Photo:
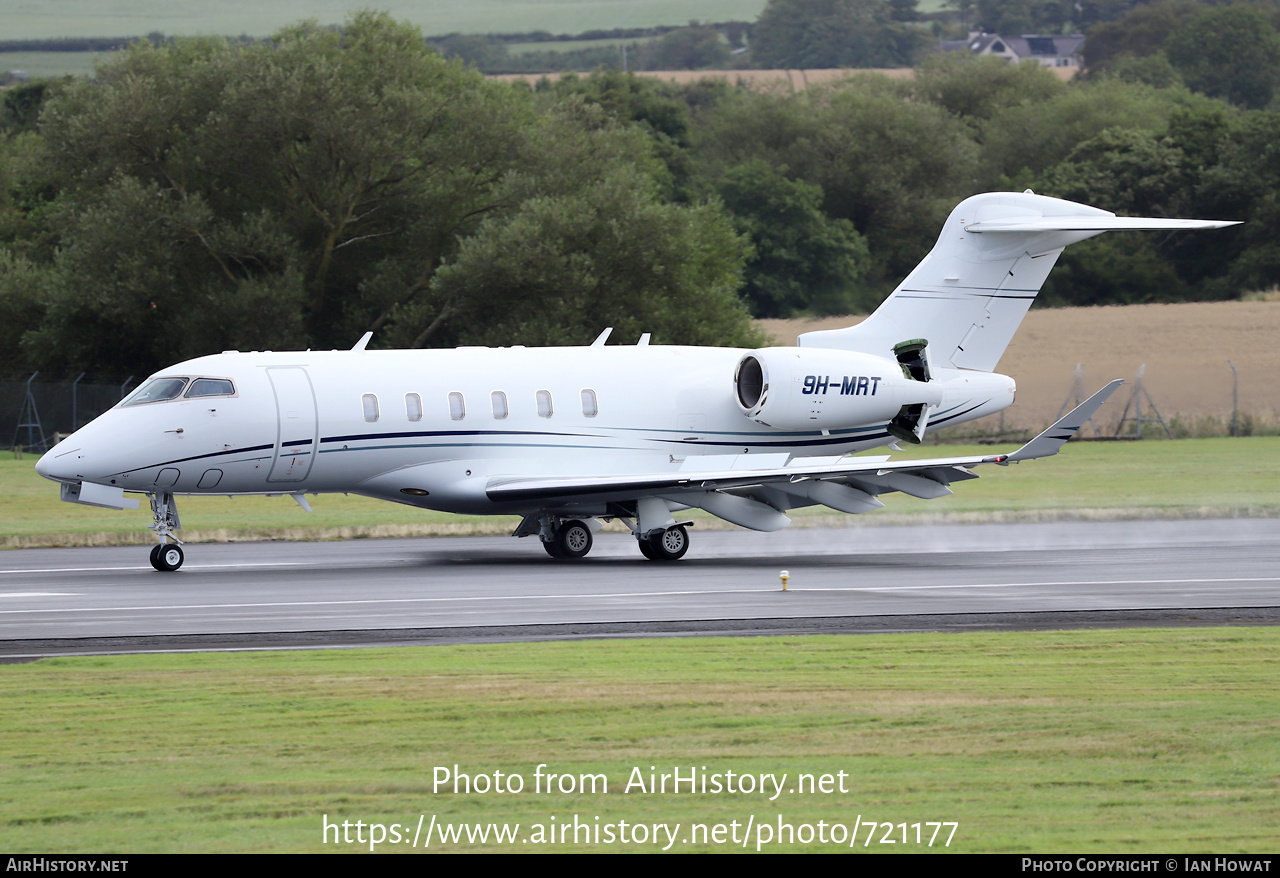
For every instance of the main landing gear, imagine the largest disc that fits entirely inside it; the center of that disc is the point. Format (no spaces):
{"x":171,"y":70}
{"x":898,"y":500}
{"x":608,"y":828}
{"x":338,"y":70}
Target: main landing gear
{"x":167,"y":556}
{"x":572,"y":539}
{"x":667,"y":545}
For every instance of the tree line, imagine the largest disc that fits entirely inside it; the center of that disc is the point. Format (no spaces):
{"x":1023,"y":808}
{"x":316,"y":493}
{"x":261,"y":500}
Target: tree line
{"x":200,"y":195}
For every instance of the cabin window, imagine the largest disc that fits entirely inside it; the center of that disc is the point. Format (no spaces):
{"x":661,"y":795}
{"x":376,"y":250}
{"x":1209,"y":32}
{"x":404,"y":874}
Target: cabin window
{"x":457,"y":406}
{"x":544,"y":403}
{"x":499,"y":400}
{"x":413,"y":406}
{"x":370,"y":403}
{"x":590,"y":406}
{"x":156,"y":390}
{"x":211,"y":387}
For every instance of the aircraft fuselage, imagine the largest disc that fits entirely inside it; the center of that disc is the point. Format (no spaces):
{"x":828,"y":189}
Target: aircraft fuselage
{"x":444,"y":422}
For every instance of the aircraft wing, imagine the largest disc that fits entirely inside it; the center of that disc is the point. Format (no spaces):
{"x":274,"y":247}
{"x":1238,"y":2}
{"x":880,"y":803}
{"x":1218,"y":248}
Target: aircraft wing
{"x":770,"y":481}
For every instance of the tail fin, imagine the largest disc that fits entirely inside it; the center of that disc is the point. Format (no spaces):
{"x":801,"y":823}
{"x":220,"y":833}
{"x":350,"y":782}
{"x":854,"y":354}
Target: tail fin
{"x":968,"y":296}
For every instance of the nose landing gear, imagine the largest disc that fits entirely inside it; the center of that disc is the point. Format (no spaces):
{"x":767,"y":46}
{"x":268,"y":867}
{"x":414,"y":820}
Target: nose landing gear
{"x":167,"y":556}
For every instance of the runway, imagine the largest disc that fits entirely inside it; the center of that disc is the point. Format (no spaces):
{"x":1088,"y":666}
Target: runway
{"x":254,"y":595}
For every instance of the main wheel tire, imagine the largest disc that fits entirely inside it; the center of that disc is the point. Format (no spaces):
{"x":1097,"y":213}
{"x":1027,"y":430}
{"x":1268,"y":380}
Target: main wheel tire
{"x":574,"y":539}
{"x":169,"y":557}
{"x":553,"y":546}
{"x":646,"y":549}
{"x":155,"y":556}
{"x":671,"y":544}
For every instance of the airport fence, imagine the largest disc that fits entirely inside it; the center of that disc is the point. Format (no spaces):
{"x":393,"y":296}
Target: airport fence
{"x":38,"y":412}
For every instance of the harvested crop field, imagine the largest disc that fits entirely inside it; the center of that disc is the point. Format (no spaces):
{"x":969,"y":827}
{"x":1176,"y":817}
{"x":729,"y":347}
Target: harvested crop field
{"x":1185,"y":348}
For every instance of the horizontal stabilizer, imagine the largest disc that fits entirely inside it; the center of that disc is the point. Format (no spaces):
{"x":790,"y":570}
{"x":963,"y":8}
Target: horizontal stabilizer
{"x":1050,"y":442}
{"x":1094,"y":224}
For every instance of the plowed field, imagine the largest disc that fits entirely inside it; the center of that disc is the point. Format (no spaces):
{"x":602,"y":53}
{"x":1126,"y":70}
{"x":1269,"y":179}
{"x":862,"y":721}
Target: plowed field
{"x":1185,"y":348}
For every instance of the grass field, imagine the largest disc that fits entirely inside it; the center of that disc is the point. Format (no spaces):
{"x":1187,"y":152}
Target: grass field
{"x":1151,"y":479}
{"x":1088,"y":741}
{"x":48,"y":65}
{"x":41,"y":19}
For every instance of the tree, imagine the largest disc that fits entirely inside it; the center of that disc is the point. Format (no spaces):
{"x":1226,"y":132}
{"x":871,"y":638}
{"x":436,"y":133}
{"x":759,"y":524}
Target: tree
{"x":803,"y":260}
{"x":199,"y":196}
{"x":486,"y":53}
{"x":307,"y":165}
{"x":690,"y":48}
{"x":890,"y":166}
{"x":833,"y":33}
{"x":21,"y":106}
{"x":1021,"y":141}
{"x":564,"y":267}
{"x":1142,"y":31}
{"x":977,"y":88}
{"x":653,"y":106}
{"x":1229,"y":52}
{"x":1125,"y":170}
{"x":1013,"y":17}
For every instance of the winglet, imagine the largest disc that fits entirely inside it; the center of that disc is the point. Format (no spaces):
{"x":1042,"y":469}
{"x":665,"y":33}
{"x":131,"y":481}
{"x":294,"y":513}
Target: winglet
{"x":1050,"y":442}
{"x":363,"y":342}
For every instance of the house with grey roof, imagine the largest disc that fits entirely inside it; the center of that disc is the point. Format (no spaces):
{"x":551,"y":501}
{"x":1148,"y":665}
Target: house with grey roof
{"x":1047,"y":51}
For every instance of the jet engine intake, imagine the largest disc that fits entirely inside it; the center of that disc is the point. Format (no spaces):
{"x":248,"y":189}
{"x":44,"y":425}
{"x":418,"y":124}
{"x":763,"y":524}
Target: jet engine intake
{"x":808,"y":388}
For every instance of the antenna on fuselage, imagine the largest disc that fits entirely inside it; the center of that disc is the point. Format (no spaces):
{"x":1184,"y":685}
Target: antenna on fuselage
{"x":602,"y":337}
{"x":363,"y":342}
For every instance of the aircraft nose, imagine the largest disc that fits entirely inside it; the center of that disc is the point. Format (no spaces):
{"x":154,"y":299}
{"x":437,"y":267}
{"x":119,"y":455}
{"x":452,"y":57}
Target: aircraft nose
{"x":58,"y":464}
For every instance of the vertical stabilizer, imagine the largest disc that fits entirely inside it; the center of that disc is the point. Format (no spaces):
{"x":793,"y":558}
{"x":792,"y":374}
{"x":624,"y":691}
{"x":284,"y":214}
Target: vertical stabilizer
{"x":968,"y":296}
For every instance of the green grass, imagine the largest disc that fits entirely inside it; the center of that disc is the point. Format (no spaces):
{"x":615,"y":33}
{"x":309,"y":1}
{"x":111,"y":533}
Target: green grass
{"x":1104,"y":741}
{"x":1156,"y":479}
{"x":110,"y":18}
{"x":49,"y":65}
{"x":1192,"y":478}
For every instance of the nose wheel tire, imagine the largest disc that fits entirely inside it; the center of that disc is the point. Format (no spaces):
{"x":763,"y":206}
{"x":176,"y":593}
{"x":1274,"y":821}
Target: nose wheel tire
{"x":670,"y":545}
{"x":167,"y":558}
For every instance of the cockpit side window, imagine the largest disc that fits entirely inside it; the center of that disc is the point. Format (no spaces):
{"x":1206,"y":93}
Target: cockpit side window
{"x":156,"y":390}
{"x":211,"y":387}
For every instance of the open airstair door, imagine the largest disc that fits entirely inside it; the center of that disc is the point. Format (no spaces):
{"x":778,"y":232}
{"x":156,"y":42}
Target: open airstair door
{"x":913,"y":356}
{"x":910,"y":422}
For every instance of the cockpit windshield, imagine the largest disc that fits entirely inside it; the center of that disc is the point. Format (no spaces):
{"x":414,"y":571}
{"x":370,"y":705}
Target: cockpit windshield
{"x":163,"y":389}
{"x":211,"y":387}
{"x":156,"y":390}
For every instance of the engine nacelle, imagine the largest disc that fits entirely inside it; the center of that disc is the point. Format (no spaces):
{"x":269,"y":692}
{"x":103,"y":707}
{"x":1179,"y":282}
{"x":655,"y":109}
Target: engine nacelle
{"x":817,"y":388}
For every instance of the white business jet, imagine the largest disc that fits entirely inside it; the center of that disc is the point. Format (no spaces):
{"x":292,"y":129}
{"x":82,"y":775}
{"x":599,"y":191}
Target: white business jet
{"x":570,"y":437}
